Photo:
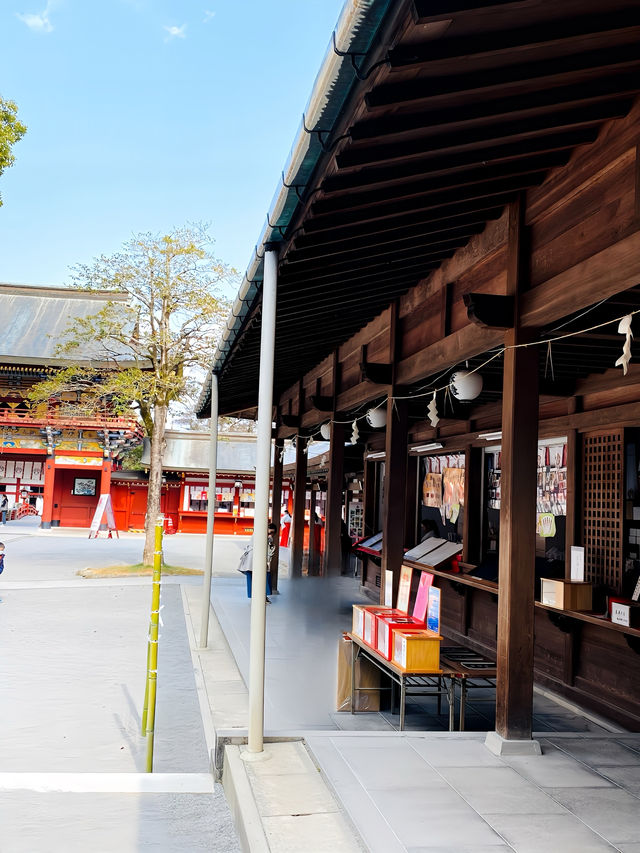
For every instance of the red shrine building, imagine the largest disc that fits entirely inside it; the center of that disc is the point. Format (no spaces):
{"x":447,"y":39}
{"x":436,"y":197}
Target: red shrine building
{"x":185,"y":485}
{"x":55,"y":458}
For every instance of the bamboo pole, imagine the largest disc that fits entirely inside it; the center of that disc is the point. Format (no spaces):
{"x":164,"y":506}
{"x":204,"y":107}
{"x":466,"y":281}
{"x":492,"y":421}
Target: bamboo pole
{"x":149,"y":710}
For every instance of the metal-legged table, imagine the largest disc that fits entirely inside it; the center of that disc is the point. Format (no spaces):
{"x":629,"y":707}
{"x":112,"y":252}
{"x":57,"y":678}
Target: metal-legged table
{"x":436,"y":682}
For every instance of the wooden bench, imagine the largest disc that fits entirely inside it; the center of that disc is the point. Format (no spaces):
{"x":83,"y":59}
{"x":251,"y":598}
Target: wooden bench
{"x":471,"y":671}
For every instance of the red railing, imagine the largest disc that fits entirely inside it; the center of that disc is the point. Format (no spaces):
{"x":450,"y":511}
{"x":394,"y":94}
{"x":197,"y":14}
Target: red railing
{"x":64,"y":420}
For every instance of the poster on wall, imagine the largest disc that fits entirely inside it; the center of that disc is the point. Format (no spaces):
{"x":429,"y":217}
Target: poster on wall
{"x":432,"y":490}
{"x":453,"y":485}
{"x":552,"y":479}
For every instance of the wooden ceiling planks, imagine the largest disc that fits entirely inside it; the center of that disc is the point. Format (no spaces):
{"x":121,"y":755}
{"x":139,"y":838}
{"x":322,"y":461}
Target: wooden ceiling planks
{"x":477,"y":101}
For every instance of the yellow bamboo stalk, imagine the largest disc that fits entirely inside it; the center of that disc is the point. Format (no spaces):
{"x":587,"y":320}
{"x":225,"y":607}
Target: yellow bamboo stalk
{"x":149,"y":710}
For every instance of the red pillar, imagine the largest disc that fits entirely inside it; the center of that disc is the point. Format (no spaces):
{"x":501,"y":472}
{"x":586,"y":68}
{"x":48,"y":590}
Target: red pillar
{"x":47,"y":497}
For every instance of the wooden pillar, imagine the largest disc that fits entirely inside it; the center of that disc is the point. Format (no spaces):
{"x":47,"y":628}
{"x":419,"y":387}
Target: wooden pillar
{"x":47,"y":497}
{"x":472,"y":511}
{"x":412,"y":502}
{"x":276,"y":503}
{"x":572,"y":536}
{"x":516,"y":569}
{"x":333,"y":516}
{"x":299,"y":499}
{"x":395,"y":483}
{"x":313,"y":557}
{"x":514,"y":696}
{"x":369,"y":498}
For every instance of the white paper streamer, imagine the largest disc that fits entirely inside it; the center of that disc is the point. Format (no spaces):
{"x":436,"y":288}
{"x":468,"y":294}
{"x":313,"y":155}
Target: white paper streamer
{"x":624,"y":328}
{"x":432,"y":411}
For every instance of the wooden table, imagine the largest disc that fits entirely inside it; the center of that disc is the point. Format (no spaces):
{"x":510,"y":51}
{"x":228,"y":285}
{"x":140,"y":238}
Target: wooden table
{"x":433,"y":682}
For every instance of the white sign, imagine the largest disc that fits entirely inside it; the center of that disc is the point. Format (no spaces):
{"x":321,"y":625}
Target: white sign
{"x":577,"y":563}
{"x":104,"y":507}
{"x":388,"y":587}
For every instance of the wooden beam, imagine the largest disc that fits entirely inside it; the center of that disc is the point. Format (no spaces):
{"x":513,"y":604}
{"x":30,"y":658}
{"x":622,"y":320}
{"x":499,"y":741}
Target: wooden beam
{"x":466,"y":343}
{"x":583,"y":284}
{"x":290,"y":421}
{"x":613,"y":29}
{"x":489,"y":310}
{"x":563,"y":70}
{"x":379,"y":374}
{"x":321,"y":402}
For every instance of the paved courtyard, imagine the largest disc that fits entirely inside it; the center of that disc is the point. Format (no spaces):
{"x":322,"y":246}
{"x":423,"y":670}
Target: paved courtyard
{"x":72,"y":677}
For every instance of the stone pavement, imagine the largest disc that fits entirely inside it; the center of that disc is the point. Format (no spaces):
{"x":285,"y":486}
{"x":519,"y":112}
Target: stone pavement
{"x":389,"y":792}
{"x":71,"y":683}
{"x":72,"y":675}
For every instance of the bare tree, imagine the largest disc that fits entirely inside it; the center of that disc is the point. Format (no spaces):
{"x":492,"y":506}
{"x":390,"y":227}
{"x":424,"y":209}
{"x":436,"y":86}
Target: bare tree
{"x":144,"y":350}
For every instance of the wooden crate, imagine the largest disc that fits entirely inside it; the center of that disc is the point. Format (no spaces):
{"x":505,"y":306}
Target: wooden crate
{"x":566,"y":595}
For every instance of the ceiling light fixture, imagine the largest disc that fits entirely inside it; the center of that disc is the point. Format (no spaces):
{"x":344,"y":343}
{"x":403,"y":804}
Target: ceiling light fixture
{"x":490,"y":436}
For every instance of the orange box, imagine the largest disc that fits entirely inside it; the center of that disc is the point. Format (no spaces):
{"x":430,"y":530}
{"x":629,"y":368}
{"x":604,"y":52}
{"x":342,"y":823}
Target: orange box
{"x":417,"y":651}
{"x":386,"y":626}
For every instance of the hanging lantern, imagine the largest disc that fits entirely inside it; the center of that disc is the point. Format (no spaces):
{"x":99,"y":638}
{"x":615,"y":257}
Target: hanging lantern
{"x":377,"y":418}
{"x":465,"y":385}
{"x":325,"y":431}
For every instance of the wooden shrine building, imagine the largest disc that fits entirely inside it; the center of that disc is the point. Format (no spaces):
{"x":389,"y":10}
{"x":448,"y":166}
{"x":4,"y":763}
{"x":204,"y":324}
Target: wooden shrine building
{"x":463,"y":198}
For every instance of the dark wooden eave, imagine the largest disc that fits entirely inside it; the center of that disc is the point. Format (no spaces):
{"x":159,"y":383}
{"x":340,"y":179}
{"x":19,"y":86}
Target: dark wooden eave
{"x":475,"y":103}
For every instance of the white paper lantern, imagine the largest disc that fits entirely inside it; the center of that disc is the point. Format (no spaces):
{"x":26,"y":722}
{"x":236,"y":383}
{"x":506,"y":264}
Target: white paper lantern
{"x":377,"y":418}
{"x":465,"y":385}
{"x":325,"y":431}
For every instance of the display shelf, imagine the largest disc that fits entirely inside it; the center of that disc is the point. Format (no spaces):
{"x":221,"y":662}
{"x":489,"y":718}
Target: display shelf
{"x":456,"y":577}
{"x":592,"y":619}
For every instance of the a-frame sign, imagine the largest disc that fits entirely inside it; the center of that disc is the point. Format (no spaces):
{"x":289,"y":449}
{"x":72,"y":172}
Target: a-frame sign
{"x":104,"y":508}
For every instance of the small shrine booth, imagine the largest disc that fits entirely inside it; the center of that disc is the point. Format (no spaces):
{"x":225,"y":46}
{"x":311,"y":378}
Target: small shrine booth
{"x":185,"y":487}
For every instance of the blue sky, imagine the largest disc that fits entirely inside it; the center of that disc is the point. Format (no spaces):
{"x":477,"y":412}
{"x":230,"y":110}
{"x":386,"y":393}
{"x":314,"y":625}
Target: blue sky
{"x":146,"y":114}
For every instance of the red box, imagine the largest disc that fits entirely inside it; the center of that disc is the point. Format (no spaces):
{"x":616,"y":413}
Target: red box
{"x":370,"y":633}
{"x":385,"y":627}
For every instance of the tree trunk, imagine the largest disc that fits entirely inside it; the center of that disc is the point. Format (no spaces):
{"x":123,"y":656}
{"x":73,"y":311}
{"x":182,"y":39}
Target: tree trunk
{"x":155,"y":482}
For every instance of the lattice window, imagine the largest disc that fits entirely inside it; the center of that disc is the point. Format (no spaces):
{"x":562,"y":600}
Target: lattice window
{"x":602,"y":510}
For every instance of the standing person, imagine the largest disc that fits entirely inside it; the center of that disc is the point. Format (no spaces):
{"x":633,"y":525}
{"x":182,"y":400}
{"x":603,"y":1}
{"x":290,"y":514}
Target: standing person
{"x":246,"y":560}
{"x":285,"y":526}
{"x":4,"y":506}
{"x":1,"y":557}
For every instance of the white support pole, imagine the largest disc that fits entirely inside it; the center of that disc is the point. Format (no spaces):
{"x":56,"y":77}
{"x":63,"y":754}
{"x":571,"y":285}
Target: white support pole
{"x":261,"y":520}
{"x":211,"y":509}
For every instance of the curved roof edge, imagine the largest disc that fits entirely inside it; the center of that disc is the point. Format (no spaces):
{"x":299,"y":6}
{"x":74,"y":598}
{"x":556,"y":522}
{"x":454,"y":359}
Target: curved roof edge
{"x":355,"y":32}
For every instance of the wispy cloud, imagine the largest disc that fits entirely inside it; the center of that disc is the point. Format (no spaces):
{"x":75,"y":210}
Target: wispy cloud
{"x":38,"y":22}
{"x":208,"y":16}
{"x":176,"y":32}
